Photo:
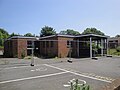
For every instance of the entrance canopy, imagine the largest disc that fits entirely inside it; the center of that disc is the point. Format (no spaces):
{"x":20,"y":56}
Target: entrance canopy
{"x":92,"y":45}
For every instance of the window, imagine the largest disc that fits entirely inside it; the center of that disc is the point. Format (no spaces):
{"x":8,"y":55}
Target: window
{"x":29,"y":52}
{"x":69,"y":44}
{"x":29,"y":44}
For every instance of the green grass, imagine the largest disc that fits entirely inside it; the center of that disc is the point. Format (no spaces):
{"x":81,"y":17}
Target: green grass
{"x":113,"y":52}
{"x":1,"y":46}
{"x":28,"y":57}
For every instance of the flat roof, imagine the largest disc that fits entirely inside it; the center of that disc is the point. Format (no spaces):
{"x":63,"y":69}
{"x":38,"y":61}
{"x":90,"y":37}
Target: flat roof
{"x":58,"y":35}
{"x":70,"y":36}
{"x":23,"y":37}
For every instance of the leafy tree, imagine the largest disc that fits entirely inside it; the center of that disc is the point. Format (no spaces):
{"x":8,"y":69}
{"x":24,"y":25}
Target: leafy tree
{"x":29,"y":35}
{"x":69,"y":32}
{"x":4,"y":31}
{"x":13,"y":34}
{"x":93,"y":31}
{"x":47,"y":31}
{"x":117,"y":36}
{"x":1,"y":39}
{"x":3,"y":35}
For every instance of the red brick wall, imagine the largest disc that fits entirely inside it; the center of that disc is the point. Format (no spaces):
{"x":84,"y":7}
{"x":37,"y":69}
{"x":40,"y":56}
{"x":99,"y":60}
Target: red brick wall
{"x":22,"y":47}
{"x":59,"y":48}
{"x":62,"y":46}
{"x":15,"y":47}
{"x":9,"y":48}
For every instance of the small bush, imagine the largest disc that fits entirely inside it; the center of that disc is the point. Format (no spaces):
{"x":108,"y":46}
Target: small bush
{"x":118,"y":49}
{"x":28,"y":57}
{"x":23,"y":54}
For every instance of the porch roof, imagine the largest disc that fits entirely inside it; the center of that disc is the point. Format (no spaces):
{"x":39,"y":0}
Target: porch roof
{"x":92,"y":35}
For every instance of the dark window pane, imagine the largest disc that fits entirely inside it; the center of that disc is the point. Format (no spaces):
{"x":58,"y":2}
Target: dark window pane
{"x":29,"y":52}
{"x":43,"y":44}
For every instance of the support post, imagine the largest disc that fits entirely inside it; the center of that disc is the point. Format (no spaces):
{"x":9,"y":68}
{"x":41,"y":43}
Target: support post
{"x":78,"y":47}
{"x":45,"y":48}
{"x":101,"y":47}
{"x":90,"y":47}
{"x":107,"y":48}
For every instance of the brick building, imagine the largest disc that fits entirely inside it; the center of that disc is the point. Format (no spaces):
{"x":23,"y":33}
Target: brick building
{"x":114,"y":42}
{"x":55,"y":46}
{"x":17,"y":46}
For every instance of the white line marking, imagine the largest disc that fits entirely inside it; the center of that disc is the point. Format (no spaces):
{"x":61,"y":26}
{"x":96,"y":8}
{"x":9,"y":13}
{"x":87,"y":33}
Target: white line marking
{"x":66,"y":85}
{"x":39,"y":69}
{"x":42,"y":76}
{"x":32,"y":70}
{"x":77,"y":73}
{"x":21,"y":67}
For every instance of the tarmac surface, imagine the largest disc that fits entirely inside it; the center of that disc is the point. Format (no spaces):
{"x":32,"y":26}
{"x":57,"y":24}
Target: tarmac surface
{"x":55,"y":74}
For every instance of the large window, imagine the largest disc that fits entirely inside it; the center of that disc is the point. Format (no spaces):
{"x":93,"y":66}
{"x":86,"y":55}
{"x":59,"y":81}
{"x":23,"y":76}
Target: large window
{"x":29,"y":52}
{"x":29,"y":47}
{"x":29,"y":44}
{"x":69,"y":43}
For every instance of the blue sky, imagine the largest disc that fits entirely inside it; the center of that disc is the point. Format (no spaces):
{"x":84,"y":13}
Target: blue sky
{"x":23,"y":16}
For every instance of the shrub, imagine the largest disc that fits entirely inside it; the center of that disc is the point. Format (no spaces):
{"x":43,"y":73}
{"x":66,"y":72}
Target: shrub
{"x":23,"y":54}
{"x":118,"y":49}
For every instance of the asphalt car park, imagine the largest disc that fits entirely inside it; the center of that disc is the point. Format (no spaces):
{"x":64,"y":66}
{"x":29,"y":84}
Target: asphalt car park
{"x":53,"y":74}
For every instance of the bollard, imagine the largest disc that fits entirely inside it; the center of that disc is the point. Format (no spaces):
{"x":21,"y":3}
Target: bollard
{"x":71,"y":84}
{"x":32,"y":61}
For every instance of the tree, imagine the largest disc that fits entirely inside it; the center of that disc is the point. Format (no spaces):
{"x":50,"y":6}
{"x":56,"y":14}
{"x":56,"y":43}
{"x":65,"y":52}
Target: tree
{"x":93,"y":31}
{"x":117,"y":36}
{"x":47,"y":31}
{"x":69,"y":32}
{"x":1,"y":39}
{"x":13,"y":34}
{"x":3,"y":35}
{"x":29,"y":35}
{"x":4,"y":31}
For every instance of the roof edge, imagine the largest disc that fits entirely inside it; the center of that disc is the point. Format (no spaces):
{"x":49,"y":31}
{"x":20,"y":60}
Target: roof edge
{"x":84,"y":35}
{"x":70,"y":36}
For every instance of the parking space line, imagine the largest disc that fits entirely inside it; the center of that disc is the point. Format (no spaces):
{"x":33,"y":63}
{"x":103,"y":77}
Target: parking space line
{"x":78,"y":74}
{"x":20,"y":67}
{"x":29,"y":78}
